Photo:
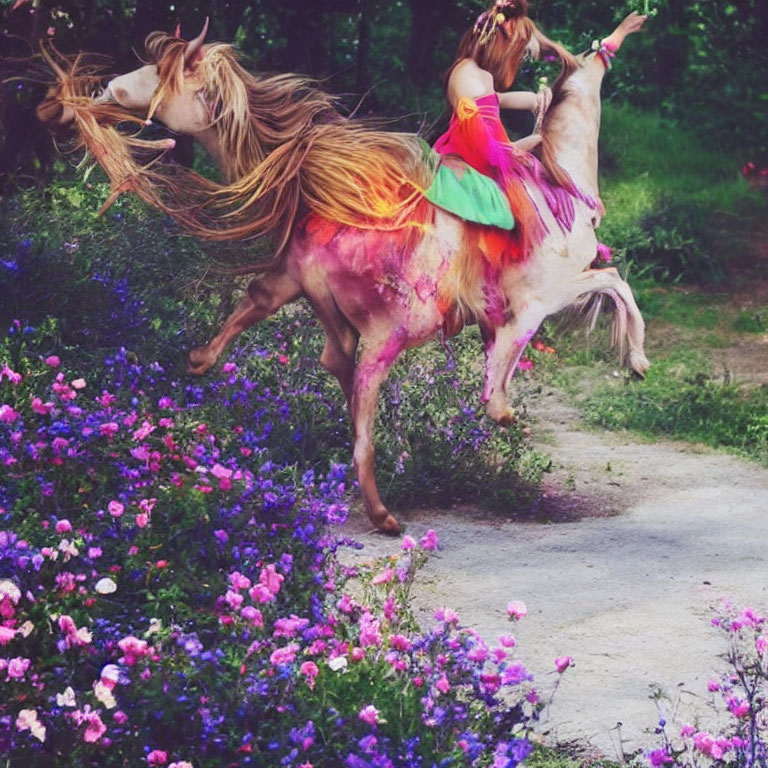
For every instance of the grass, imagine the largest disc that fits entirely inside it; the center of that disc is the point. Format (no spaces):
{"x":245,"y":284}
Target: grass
{"x":676,"y":203}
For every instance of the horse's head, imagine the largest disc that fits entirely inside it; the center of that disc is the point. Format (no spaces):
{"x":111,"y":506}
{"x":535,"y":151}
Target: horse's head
{"x":170,"y":87}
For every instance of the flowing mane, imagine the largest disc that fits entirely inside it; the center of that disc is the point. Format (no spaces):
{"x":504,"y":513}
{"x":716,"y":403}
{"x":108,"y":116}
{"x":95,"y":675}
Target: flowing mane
{"x":286,"y":151}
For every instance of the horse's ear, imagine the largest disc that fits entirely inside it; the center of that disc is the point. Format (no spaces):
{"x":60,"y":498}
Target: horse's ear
{"x":177,"y":31}
{"x":194,"y":50}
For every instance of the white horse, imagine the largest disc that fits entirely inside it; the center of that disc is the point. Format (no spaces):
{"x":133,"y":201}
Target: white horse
{"x":379,"y":292}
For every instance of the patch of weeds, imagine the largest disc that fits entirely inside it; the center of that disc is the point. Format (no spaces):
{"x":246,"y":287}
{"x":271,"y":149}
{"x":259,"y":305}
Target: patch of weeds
{"x":681,"y":398}
{"x":752,"y":321}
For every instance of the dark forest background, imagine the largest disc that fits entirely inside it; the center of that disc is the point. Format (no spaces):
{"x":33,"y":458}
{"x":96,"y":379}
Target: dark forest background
{"x":701,"y":63}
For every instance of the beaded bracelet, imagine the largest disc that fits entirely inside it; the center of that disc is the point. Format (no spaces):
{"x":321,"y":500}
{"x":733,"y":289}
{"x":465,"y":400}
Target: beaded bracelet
{"x":606,"y":51}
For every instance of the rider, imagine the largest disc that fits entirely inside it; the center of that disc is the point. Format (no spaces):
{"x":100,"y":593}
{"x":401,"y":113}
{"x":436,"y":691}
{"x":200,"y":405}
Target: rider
{"x":477,"y":83}
{"x":489,"y":56}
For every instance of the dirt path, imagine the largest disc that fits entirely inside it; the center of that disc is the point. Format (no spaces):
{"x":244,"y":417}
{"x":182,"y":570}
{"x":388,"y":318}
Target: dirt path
{"x":653,"y":536}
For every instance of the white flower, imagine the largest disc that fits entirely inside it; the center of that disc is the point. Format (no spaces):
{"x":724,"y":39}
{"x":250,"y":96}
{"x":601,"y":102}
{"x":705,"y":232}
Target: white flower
{"x":338,"y":663}
{"x":105,"y":586}
{"x":104,"y":695}
{"x":66,"y":699}
{"x":9,"y":589}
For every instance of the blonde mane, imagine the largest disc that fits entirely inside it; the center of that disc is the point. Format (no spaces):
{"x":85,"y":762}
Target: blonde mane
{"x":287,"y":151}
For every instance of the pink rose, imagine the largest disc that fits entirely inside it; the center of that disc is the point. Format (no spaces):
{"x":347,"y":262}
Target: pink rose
{"x":562,"y":663}
{"x":115,"y":508}
{"x":157,"y":757}
{"x":53,"y":361}
{"x":63,"y":526}
{"x":369,"y":715}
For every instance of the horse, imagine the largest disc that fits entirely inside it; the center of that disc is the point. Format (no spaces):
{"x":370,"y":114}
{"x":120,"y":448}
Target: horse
{"x":380,"y":282}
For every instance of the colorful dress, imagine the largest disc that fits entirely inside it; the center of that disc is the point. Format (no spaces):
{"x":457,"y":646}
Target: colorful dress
{"x":477,"y":136}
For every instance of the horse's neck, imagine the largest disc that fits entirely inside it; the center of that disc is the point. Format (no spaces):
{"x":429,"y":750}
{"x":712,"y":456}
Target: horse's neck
{"x":574,"y":125}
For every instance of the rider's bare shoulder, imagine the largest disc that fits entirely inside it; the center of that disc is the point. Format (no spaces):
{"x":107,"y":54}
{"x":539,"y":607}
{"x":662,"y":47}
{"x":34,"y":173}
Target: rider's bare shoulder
{"x":468,"y":81}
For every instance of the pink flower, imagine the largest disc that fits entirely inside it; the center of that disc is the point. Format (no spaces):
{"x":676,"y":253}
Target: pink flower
{"x":53,"y":361}
{"x":408,"y":543}
{"x":603,"y":253}
{"x":157,"y":757}
{"x":229,"y":368}
{"x":271,"y":579}
{"x":6,"y":635}
{"x":142,"y":520}
{"x":562,"y":663}
{"x":739,"y":708}
{"x":7,"y":414}
{"x":508,"y":641}
{"x":384,"y":577}
{"x":63,"y":526}
{"x":133,"y":649}
{"x":115,"y":508}
{"x":94,"y":728}
{"x":399,"y":642}
{"x":369,"y":715}
{"x":187,"y":764}
{"x":517,"y":610}
{"x":238,"y":581}
{"x":13,"y":377}
{"x":310,"y":671}
{"x":220,"y":472}
{"x":442,"y":684}
{"x":38,"y":406}
{"x":78,"y":384}
{"x":429,"y":540}
{"x":249,"y":613}
{"x":108,"y":428}
{"x":713,"y":685}
{"x":659,"y":757}
{"x":284,"y":655}
{"x":17,"y":668}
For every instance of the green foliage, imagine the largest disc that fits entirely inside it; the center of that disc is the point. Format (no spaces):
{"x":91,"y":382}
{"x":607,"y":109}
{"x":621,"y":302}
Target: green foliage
{"x":674,"y":203}
{"x":680,"y":398}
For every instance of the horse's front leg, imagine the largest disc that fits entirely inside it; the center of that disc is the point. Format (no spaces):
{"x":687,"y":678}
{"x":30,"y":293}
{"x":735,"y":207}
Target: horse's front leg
{"x":371,"y":371}
{"x":264,"y":297}
{"x":504,"y":346}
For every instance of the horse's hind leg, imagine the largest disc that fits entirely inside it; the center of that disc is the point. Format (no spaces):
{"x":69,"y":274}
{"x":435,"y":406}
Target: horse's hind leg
{"x":264,"y":297}
{"x":338,"y":356}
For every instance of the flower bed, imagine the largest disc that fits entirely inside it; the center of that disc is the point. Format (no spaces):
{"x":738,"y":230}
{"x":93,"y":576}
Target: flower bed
{"x":170,"y":595}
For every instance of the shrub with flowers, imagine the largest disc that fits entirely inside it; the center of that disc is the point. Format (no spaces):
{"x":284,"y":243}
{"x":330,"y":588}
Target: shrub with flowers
{"x":743,"y":692}
{"x":169,"y":593}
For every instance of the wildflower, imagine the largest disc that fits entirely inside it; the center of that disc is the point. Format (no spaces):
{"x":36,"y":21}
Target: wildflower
{"x":94,"y":728}
{"x":508,"y":641}
{"x":105,"y":586}
{"x":187,"y":764}
{"x":429,"y":540}
{"x":52,"y":361}
{"x":104,"y":695}
{"x":115,"y":508}
{"x":63,"y":526}
{"x":133,"y":649}
{"x":384,"y":577}
{"x":310,"y":670}
{"x":442,"y":684}
{"x":284,"y":655}
{"x":66,"y":699}
{"x":27,"y":721}
{"x":738,"y":708}
{"x":337,"y":663}
{"x":408,"y":543}
{"x":7,"y":414}
{"x":17,"y":668}
{"x":78,"y":384}
{"x":157,"y":757}
{"x":110,"y":675}
{"x":6,"y":635}
{"x":562,"y":663}
{"x":369,"y":715}
{"x":13,"y":377}
{"x":271,"y":579}
{"x":659,"y":757}
{"x":517,"y":610}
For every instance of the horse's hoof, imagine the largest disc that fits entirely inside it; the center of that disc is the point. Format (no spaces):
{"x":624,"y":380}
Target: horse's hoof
{"x":196,"y":362}
{"x":639,"y":365}
{"x":505,"y":418}
{"x":389,"y":525}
